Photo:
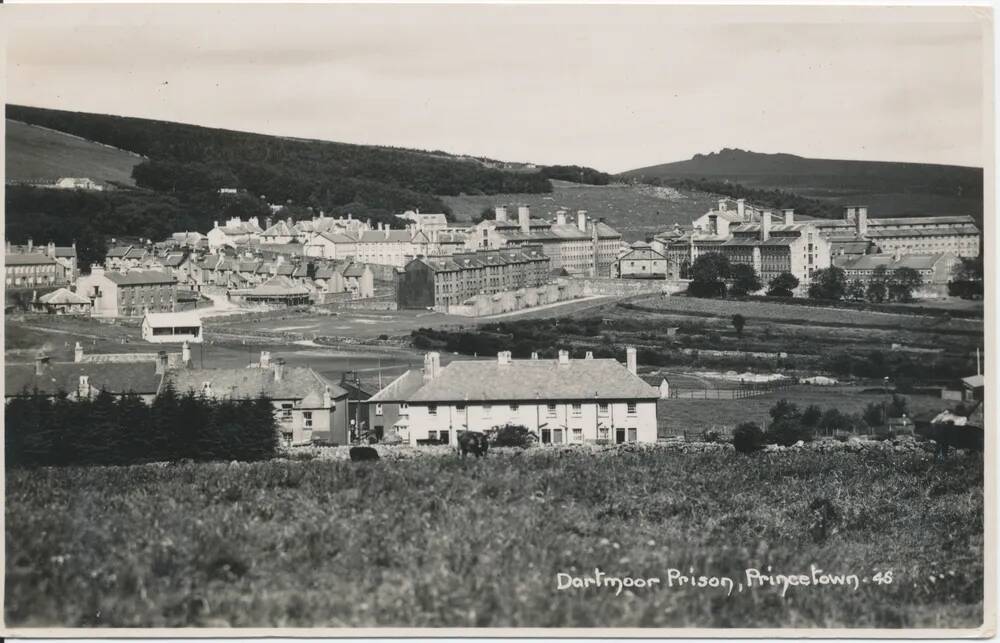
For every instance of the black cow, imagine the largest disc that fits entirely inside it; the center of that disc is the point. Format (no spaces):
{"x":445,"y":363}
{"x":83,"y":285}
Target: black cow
{"x":363,"y":454}
{"x":473,"y":442}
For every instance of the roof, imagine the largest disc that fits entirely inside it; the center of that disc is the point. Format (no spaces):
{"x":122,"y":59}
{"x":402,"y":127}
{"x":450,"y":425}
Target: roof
{"x":936,"y":220}
{"x":32,"y":259}
{"x":354,"y":270}
{"x":385,"y":236}
{"x":117,"y":251}
{"x":639,"y":252}
{"x":140,"y":277}
{"x":65,"y":251}
{"x":296,"y":383}
{"x":174,"y":260}
{"x":135,"y":253}
{"x":277,"y":286}
{"x":925,"y":232}
{"x":335,"y":237}
{"x":401,"y":388}
{"x":162,"y":320}
{"x":63,"y":296}
{"x":974,"y":381}
{"x":118,"y":378}
{"x":534,"y":379}
{"x":279,"y":229}
{"x":915,"y":261}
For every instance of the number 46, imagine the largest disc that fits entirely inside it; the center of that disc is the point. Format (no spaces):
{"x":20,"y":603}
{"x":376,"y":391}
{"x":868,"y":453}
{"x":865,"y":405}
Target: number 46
{"x":882,"y":578}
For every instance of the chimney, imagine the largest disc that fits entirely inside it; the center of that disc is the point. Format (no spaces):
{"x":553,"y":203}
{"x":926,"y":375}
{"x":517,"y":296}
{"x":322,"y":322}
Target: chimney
{"x":560,"y":217}
{"x":524,"y":218}
{"x":630,"y":359}
{"x":50,"y":249}
{"x":185,"y":353}
{"x":279,"y":369}
{"x":215,"y":224}
{"x":581,"y":220}
{"x":590,"y":355}
{"x":534,"y":356}
{"x":265,"y":359}
{"x":849,"y":212}
{"x":722,"y":205}
{"x":431,"y":361}
{"x":765,"y":225}
{"x":789,"y":216}
{"x":862,"y":222}
{"x":78,"y":352}
{"x":564,"y":357}
{"x":503,"y":358}
{"x":327,"y":398}
{"x":501,"y":213}
{"x":41,"y":364}
{"x":741,"y":205}
{"x":161,"y":362}
{"x":30,"y":244}
{"x":83,"y":387}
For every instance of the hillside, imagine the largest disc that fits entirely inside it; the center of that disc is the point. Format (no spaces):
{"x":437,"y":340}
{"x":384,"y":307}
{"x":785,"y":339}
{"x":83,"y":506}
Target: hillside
{"x":635,"y":211}
{"x":888,"y":188}
{"x":39,"y":154}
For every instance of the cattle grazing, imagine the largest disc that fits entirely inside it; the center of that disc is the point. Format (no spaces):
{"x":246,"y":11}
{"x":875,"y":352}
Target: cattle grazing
{"x":363,"y":454}
{"x":473,"y":442}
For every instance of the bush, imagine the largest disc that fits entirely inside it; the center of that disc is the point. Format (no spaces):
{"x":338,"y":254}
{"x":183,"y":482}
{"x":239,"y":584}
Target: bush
{"x":392,"y":438}
{"x":748,"y":438}
{"x":712,"y":436}
{"x":511,"y":435}
{"x":786,"y":433}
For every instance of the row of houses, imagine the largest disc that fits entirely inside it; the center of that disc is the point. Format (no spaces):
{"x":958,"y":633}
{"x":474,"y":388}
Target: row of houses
{"x":39,"y":266}
{"x":562,"y":400}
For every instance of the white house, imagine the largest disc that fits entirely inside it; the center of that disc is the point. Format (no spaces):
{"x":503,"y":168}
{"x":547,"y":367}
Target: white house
{"x":165,"y":328}
{"x":562,"y":401}
{"x":331,"y":245}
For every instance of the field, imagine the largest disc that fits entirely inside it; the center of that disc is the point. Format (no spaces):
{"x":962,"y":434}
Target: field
{"x":636,"y":212}
{"x":441,"y":542}
{"x":35,"y":153}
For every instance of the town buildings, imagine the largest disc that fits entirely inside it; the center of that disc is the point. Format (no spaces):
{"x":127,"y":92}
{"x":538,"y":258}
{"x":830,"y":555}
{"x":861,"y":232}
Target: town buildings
{"x":117,"y":294}
{"x":562,"y":401}
{"x":33,"y":271}
{"x":796,"y":248}
{"x":308,"y":407}
{"x":640,"y":261}
{"x":62,"y":302}
{"x":443,"y":281}
{"x":935,"y":269}
{"x":234,"y":232}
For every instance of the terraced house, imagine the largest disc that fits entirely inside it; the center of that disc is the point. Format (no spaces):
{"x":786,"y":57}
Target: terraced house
{"x":443,"y":281}
{"x":131,"y":294}
{"x":562,"y":400}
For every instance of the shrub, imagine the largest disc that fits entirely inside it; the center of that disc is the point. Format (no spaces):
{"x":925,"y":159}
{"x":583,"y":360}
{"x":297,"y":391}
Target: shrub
{"x":712,"y":436}
{"x":392,"y":438}
{"x":748,"y":438}
{"x":787,"y":432}
{"x":511,"y":435}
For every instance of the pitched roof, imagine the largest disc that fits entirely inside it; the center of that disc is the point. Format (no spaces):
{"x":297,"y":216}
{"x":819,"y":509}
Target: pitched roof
{"x":401,"y":388}
{"x":174,"y":260}
{"x":935,"y":220}
{"x":296,"y":383}
{"x":140,"y":277}
{"x":276,"y":286}
{"x":925,"y":232}
{"x":118,"y":378}
{"x":135,"y":253}
{"x":279,"y":229}
{"x":335,"y":237}
{"x":354,"y":269}
{"x":385,"y":236}
{"x":33,"y":259}
{"x":534,"y":379}
{"x":118,"y":252}
{"x":873,"y":261}
{"x":65,"y":251}
{"x":161,"y":320}
{"x":63,"y":296}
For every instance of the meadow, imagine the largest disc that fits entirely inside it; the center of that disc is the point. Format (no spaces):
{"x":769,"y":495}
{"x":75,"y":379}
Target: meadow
{"x":445,"y":542}
{"x":36,"y":153}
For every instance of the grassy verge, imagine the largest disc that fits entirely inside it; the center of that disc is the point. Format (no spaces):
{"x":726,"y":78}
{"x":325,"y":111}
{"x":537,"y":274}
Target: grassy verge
{"x":445,"y":542}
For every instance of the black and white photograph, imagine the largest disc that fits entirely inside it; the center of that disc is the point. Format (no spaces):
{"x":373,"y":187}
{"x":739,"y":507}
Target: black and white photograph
{"x":499,"y":319}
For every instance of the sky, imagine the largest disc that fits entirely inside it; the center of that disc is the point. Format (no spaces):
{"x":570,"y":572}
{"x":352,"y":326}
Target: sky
{"x":611,"y":87}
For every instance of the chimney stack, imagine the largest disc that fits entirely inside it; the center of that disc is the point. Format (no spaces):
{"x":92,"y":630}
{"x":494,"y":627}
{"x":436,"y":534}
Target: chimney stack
{"x":564,"y":357}
{"x":279,"y":369}
{"x":722,"y":205}
{"x":524,"y":218}
{"x":590,"y":355}
{"x":534,"y":355}
{"x":50,"y":249}
{"x":765,"y":225}
{"x":560,"y":217}
{"x":206,"y":389}
{"x":501,"y":213}
{"x":581,"y":220}
{"x":83,"y":387}
{"x":185,"y":353}
{"x":630,"y":359}
{"x":41,"y":364}
{"x":789,"y":216}
{"x":429,"y":366}
{"x":741,"y":205}
{"x":265,"y":359}
{"x":327,"y":398}
{"x":78,"y":352}
{"x":161,"y":362}
{"x":30,"y":244}
{"x":861,"y":221}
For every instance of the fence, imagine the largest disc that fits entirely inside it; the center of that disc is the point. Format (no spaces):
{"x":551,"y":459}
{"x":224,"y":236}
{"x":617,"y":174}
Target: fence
{"x":744,"y":391}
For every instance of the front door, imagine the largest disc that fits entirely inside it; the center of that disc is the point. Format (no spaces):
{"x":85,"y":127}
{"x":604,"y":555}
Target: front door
{"x":619,"y":436}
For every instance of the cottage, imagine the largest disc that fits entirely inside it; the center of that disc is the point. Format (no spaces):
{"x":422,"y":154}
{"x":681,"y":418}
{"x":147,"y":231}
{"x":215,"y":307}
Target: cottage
{"x":80,"y":379}
{"x":62,"y":302}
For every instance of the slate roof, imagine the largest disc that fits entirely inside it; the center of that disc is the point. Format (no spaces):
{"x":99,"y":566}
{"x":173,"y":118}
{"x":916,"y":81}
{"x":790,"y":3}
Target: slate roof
{"x":275,"y":287}
{"x":65,"y":251}
{"x":164,"y":320}
{"x":925,"y":232}
{"x":354,"y":270}
{"x":118,"y":378}
{"x":380,"y":236}
{"x":297,"y":383}
{"x":279,"y":229}
{"x":117,"y":252}
{"x":140,"y":278}
{"x":32,"y":259}
{"x":533,"y":380}
{"x":974,"y":381}
{"x":938,"y":220}
{"x":63,"y":296}
{"x":136,"y":253}
{"x":336,"y":237}
{"x":173,"y":260}
{"x":401,"y":388}
{"x":915,"y":261}
{"x":639,"y":252}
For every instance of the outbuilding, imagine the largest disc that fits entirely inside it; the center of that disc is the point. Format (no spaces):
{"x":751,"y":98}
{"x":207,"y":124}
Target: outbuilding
{"x":164,"y":328}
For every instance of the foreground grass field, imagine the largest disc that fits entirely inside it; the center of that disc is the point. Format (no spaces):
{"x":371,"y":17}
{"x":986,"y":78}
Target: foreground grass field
{"x":437,"y":541}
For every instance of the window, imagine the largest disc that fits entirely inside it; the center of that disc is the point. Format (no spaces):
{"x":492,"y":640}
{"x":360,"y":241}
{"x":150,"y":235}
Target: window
{"x":550,"y":410}
{"x":632,"y":408}
{"x":602,"y":433}
{"x":633,"y":435}
{"x":460,"y":407}
{"x":577,"y":435}
{"x":602,"y":408}
{"x":577,"y":409}
{"x":444,"y":439}
{"x":546,"y":436}
{"x":514,"y":408}
{"x":432,"y":435}
{"x":557,"y":436}
{"x":307,"y":419}
{"x":378,"y":409}
{"x":286,"y":410}
{"x":432,"y":409}
{"x":487,"y":409}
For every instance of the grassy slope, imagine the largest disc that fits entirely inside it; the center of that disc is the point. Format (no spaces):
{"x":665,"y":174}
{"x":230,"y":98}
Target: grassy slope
{"x":444,"y":542}
{"x":35,"y":153}
{"x":635,"y":212}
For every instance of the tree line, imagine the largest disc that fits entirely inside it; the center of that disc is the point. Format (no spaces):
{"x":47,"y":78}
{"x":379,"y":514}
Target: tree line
{"x":105,"y":430}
